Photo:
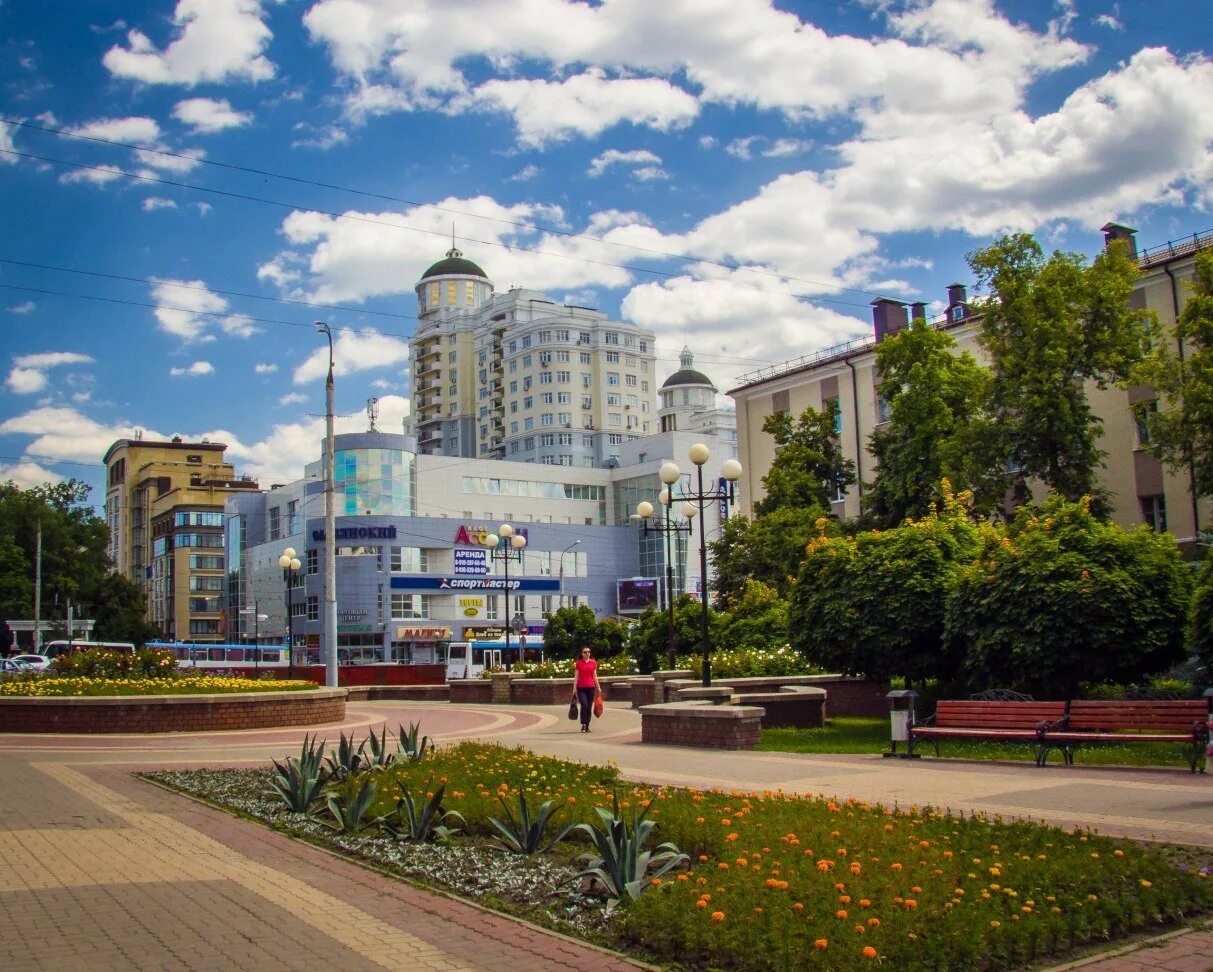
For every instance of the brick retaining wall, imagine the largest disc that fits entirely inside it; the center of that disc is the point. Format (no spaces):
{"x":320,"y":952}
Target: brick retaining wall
{"x":477,"y":690}
{"x":541,"y":691}
{"x":172,"y":713}
{"x":411,"y":693}
{"x":701,"y":725}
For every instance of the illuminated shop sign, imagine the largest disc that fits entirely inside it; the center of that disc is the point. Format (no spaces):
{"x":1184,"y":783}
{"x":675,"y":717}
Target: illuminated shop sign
{"x":359,"y":533}
{"x":474,"y":536}
{"x":422,"y":633}
{"x":527,"y":585}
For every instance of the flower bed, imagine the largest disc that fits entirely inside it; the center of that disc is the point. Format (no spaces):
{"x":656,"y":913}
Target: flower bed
{"x":781,"y":881}
{"x":52,"y":686}
{"x":750,"y":663}
{"x":563,"y":667}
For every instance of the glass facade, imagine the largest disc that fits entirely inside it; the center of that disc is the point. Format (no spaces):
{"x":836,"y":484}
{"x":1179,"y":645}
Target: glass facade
{"x":527,"y":487}
{"x":375,"y":481}
{"x":628,"y":494}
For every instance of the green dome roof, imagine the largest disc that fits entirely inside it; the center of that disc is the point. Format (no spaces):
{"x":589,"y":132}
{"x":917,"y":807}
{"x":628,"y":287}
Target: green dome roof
{"x":454,"y":264}
{"x":687,"y":376}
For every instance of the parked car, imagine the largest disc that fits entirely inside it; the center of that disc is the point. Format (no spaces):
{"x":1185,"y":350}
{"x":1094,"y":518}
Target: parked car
{"x":10,"y":666}
{"x":37,"y":663}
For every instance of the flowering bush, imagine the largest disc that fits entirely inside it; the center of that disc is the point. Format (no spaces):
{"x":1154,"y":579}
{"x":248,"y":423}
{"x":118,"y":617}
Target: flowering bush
{"x":751,"y":663}
{"x":563,"y":667}
{"x":107,"y":663}
{"x":53,"y":685}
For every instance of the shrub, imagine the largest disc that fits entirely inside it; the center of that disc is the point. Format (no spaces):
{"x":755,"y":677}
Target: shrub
{"x":649,"y":640}
{"x":758,"y":619}
{"x":563,"y":667}
{"x":1200,"y":622}
{"x":107,"y":663}
{"x":1061,"y":598}
{"x":751,"y":663}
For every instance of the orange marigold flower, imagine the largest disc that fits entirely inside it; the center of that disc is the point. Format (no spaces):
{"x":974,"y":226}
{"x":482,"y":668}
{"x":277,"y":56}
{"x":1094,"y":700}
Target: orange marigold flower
{"x":723,"y":865}
{"x":656,"y":882}
{"x":717,"y":916}
{"x":701,"y":903}
{"x":798,"y":906}
{"x":855,"y":868}
{"x":869,"y":952}
{"x":840,"y":914}
{"x":864,"y":903}
{"x":821,"y":944}
{"x":894,"y":867}
{"x":845,"y":899}
{"x":911,"y":904}
{"x":874,"y":922}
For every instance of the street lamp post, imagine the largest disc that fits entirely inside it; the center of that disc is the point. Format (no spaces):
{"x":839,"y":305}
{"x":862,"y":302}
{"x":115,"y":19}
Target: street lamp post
{"x":330,"y":526}
{"x":669,"y":476}
{"x":562,"y":553}
{"x":289,"y":564}
{"x":731,"y":471}
{"x":514,"y":543}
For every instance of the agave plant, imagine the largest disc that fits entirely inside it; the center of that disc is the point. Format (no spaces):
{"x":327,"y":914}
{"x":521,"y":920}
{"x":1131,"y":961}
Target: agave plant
{"x":624,"y":866}
{"x":299,"y":782}
{"x":350,"y":802}
{"x":412,"y":745}
{"x":416,"y":822}
{"x":524,"y":834}
{"x":380,"y":756}
{"x":348,"y":759}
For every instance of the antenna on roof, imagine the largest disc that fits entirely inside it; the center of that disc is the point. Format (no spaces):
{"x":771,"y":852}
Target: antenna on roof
{"x":372,"y":412}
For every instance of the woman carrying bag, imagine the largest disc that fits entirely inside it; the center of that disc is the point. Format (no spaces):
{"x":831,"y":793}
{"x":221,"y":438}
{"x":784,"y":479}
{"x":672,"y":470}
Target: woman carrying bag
{"x":587,"y":688}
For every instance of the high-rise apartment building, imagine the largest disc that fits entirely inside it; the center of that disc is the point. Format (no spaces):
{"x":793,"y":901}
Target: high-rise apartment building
{"x":164,"y":508}
{"x":518,"y":376}
{"x":845,"y":379}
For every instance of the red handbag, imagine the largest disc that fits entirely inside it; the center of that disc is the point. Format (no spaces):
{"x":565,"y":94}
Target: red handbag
{"x":597,"y":705}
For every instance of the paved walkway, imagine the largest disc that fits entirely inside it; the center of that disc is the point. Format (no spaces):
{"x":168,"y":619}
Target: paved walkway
{"x":100,"y":870}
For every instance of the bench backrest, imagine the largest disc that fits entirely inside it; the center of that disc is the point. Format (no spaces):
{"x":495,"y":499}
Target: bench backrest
{"x":1147,"y":716}
{"x":996,"y":715}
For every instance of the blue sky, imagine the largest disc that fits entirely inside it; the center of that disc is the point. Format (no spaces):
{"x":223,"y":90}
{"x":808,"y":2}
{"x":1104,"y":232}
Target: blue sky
{"x":737,"y":175}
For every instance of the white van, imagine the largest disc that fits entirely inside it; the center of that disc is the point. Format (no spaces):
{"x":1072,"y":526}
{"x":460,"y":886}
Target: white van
{"x":464,"y":660}
{"x":53,"y":649}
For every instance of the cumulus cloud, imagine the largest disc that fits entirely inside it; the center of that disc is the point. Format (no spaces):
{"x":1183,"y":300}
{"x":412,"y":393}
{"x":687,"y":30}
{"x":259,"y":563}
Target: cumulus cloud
{"x":194,"y":370}
{"x":323,"y":137}
{"x":51,"y":359}
{"x":26,"y":381}
{"x":7,"y":144}
{"x":353,"y":351}
{"x":525,"y":174}
{"x":27,"y":474}
{"x":28,"y":374}
{"x":66,"y":433}
{"x":214,"y":40}
{"x":152,"y":203}
{"x":636,"y":157}
{"x":263,"y":368}
{"x":25,"y":307}
{"x":209,"y":115}
{"x":135,"y":129}
{"x":292,"y":398}
{"x":188,"y":308}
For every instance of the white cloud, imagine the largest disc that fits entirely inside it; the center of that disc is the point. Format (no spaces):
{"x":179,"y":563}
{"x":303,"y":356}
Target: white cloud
{"x":353,"y":351}
{"x":1111,"y":21}
{"x":26,"y":381}
{"x":136,"y":129}
{"x":7,"y":144}
{"x":264,"y":368}
{"x":97,"y":177}
{"x":292,"y":398}
{"x":215,"y":40}
{"x":159,"y":161}
{"x":786,"y":146}
{"x":209,"y":115}
{"x":194,"y":370}
{"x":25,"y":307}
{"x":65,"y":433}
{"x":707,"y":141}
{"x":203,"y":208}
{"x":611,"y":157}
{"x":187,"y":308}
{"x":28,"y":374}
{"x":741,"y":147}
{"x":525,"y":174}
{"x":323,"y":137}
{"x":28,"y":474}
{"x":649,"y":173}
{"x":586,"y":104}
{"x":152,"y":203}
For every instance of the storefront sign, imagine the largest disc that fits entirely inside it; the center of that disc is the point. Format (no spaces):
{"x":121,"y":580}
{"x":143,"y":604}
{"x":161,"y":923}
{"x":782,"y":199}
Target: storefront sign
{"x":483,"y":632}
{"x":426,"y":585}
{"x":420,"y":633}
{"x":474,"y":536}
{"x":355,"y":628}
{"x":471,"y":563}
{"x":724,"y":499}
{"x":359,"y":533}
{"x":352,"y":614}
{"x":472,"y":606}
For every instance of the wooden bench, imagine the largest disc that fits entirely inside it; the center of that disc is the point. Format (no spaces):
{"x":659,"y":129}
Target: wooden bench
{"x":1182,"y":722}
{"x":1024,"y":722}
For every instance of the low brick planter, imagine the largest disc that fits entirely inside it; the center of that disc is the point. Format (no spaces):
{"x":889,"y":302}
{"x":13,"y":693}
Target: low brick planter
{"x":476,"y":690}
{"x":716,"y":694}
{"x":409,"y":693}
{"x":846,"y":695}
{"x":172,"y":713}
{"x":541,"y":691}
{"x":795,"y":706}
{"x":616,"y":688}
{"x":702,"y":725}
{"x":652,"y":689}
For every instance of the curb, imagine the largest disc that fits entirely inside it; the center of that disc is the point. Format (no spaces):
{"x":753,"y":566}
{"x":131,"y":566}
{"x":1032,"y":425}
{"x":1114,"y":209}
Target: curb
{"x":1152,"y":942}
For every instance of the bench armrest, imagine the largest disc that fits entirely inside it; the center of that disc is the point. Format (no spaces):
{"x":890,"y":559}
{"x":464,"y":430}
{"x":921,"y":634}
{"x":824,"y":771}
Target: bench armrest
{"x":1053,"y":725}
{"x":924,"y":721}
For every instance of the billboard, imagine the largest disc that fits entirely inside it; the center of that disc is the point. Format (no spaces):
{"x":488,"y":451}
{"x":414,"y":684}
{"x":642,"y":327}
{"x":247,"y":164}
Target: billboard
{"x":635,"y":594}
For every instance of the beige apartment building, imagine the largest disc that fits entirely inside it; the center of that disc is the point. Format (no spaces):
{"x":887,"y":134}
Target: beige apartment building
{"x":518,"y":376}
{"x":164,"y":508}
{"x":845,"y":379}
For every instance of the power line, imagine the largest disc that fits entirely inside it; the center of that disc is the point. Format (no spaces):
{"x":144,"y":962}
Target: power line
{"x":140,"y":177}
{"x":554,"y":231}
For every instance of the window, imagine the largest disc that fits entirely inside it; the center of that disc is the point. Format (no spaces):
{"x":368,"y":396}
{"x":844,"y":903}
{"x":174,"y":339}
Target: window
{"x":615,"y":439}
{"x":514,"y":427}
{"x":631,"y":381}
{"x":513,"y":366}
{"x":587,"y":442}
{"x":490,"y":607}
{"x":528,"y":423}
{"x":409,"y":607}
{"x":545,"y":357}
{"x":292,"y":517}
{"x":526,"y":383}
{"x":313,"y":560}
{"x":547,"y":398}
{"x":514,"y":387}
{"x":563,"y":356}
{"x":545,"y":337}
{"x":632,"y":401}
{"x":513,"y":346}
{"x":613,"y":379}
{"x":587,"y":401}
{"x":313,"y":607}
{"x":584,"y":357}
{"x":1144,"y":414}
{"x":612,"y":337}
{"x":563,"y":377}
{"x":884,"y":412}
{"x":470,"y":292}
{"x":206,"y":583}
{"x":1154,"y":512}
{"x":566,"y":438}
{"x":583,"y":337}
{"x":612,"y":357}
{"x":613,"y":398}
{"x":528,"y":443}
{"x":615,"y":419}
{"x":412,"y":559}
{"x":547,"y":418}
{"x":203,"y":627}
{"x":545,"y":378}
{"x":451,"y":292}
{"x":832,"y":406}
{"x":562,"y":336}
{"x":528,"y":402}
{"x":564,"y":398}
{"x":585,"y":381}
{"x":644,"y":345}
{"x":547,"y":439}
{"x":451,"y":357}
{"x":958,"y":312}
{"x":526,"y":343}
{"x":565,"y":418}
{"x":198,"y":519}
{"x":206,"y":562}
{"x":629,"y":341}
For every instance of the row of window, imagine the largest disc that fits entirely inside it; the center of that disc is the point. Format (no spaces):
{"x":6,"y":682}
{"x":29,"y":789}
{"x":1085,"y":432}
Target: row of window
{"x":529,"y":487}
{"x":197,"y":518}
{"x":583,"y":337}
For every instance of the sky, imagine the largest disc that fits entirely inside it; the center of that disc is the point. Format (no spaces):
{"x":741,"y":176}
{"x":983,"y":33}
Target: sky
{"x":186,"y":185}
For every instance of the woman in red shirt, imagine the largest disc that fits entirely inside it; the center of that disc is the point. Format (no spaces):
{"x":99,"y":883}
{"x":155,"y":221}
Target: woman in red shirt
{"x":587,"y":686}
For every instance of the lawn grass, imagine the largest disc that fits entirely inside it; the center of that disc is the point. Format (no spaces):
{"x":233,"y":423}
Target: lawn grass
{"x":858,"y":735}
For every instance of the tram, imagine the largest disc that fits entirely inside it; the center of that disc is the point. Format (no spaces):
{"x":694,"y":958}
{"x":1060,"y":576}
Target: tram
{"x":222,"y":656}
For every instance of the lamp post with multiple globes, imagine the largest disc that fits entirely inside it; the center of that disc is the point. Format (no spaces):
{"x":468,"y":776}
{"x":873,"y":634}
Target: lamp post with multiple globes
{"x":669,"y":475}
{"x":696,"y":501}
{"x":289,"y":564}
{"x":512,"y":544}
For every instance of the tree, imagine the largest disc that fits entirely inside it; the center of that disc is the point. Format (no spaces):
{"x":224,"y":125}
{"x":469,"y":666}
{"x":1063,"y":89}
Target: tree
{"x":121,"y":612}
{"x":767,"y":549}
{"x":1050,"y":325}
{"x":874,"y":603}
{"x":1180,"y":432}
{"x":1200,"y":622}
{"x":809,"y":467}
{"x":648,"y":638}
{"x":756,"y":620}
{"x":570,"y":629}
{"x":1060,"y":598}
{"x":16,"y":586}
{"x":939,"y":427}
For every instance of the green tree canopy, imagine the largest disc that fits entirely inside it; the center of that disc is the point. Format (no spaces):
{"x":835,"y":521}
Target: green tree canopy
{"x":1061,"y":598}
{"x":768,"y":549}
{"x":570,"y":629}
{"x":648,"y":639}
{"x":756,"y":620}
{"x":1049,"y":325}
{"x":809,"y":466}
{"x":1200,"y":622}
{"x":1181,"y":430}
{"x":939,"y":427}
{"x":874,"y":603}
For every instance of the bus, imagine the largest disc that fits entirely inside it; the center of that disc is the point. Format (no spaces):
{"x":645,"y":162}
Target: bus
{"x":224,"y":656}
{"x":53,"y":649}
{"x":466,"y":660}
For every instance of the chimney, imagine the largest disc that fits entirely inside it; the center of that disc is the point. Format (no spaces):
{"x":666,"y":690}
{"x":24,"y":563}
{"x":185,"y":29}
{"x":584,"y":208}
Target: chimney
{"x":1115,"y":231}
{"x":958,"y":306}
{"x":888,"y":316}
{"x":918,"y":311}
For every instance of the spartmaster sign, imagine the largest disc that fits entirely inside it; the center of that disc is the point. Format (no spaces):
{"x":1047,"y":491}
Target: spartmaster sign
{"x":453,"y":585}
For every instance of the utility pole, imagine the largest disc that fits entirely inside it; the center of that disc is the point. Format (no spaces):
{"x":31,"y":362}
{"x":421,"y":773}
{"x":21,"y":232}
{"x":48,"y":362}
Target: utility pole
{"x":38,"y":593}
{"x":330,"y":526}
